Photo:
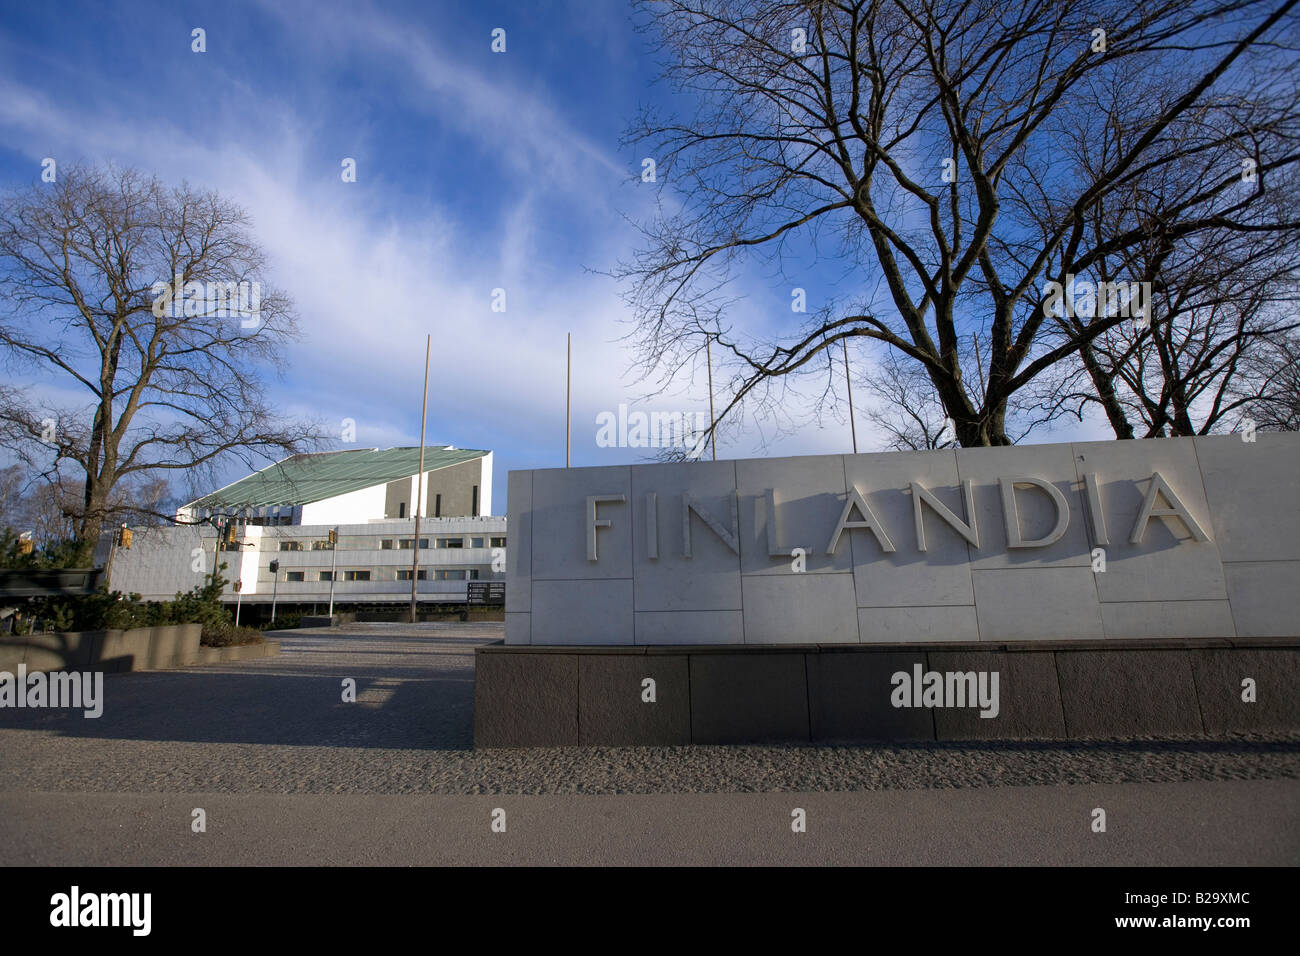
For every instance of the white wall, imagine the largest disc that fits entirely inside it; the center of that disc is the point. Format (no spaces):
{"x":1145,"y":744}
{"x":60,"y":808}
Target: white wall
{"x":485,"y":485}
{"x":355,"y":507}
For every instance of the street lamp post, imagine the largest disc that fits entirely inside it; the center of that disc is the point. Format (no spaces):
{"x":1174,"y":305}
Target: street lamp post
{"x":275,"y":585}
{"x":334,"y":566}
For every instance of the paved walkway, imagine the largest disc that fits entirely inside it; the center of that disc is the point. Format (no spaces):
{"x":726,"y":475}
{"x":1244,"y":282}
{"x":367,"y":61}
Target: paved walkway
{"x":289,"y":773}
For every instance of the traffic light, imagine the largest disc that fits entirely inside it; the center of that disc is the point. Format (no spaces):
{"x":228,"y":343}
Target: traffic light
{"x":230,"y":533}
{"x":25,"y":543}
{"x":125,"y":540}
{"x":275,"y":567}
{"x":334,"y":537}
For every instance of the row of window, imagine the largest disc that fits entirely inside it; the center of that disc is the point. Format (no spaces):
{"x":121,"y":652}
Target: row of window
{"x":404,"y":544}
{"x":403,"y":574}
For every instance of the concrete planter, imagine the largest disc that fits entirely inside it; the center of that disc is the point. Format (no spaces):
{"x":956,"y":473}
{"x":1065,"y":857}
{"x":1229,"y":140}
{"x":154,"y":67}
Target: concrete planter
{"x":163,"y":646}
{"x":240,"y":652}
{"x":69,"y":650}
{"x":12,"y":652}
{"x":174,"y":645}
{"x":209,"y":655}
{"x":124,"y":650}
{"x":139,"y":649}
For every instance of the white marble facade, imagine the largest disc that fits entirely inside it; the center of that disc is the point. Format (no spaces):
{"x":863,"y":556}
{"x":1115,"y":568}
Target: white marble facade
{"x":1198,"y":537}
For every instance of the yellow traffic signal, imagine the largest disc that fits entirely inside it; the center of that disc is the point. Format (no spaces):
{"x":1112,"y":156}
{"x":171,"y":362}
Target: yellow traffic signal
{"x":126,"y":538}
{"x":25,"y":543}
{"x":334,"y":537}
{"x":230,"y":533}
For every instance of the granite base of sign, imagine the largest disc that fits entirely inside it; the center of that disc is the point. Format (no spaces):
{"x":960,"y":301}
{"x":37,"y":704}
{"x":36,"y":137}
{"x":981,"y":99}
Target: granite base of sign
{"x":541,"y":696}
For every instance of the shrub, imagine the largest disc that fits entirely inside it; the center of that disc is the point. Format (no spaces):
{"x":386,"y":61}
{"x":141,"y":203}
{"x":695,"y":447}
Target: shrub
{"x":103,"y":610}
{"x":283,"y":621}
{"x":227,"y":635}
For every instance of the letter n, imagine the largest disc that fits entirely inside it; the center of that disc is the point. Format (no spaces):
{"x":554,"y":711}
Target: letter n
{"x":920,"y":494}
{"x":730,"y":536}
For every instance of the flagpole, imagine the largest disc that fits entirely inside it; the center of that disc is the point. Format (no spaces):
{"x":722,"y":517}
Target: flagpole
{"x":419,"y":482}
{"x":849,"y":383}
{"x":568,"y":404}
{"x":713,"y":434}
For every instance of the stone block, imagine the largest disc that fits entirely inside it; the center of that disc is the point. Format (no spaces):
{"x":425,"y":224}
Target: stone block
{"x":690,"y":627}
{"x":1029,"y":697}
{"x":518,"y":627}
{"x":1035,"y":506}
{"x":1172,"y":619}
{"x":519,"y":540}
{"x":561,"y":524}
{"x":1250,"y":487}
{"x":1037,"y":604}
{"x":1264,"y":595}
{"x":800,"y":609}
{"x":909,"y":625}
{"x":709,"y":580}
{"x":808,"y":493}
{"x":907,"y":576}
{"x":1123,"y":693}
{"x":748,"y":698}
{"x":850,"y":697}
{"x":1219,"y":674}
{"x":1169,"y":564}
{"x":613,"y":711}
{"x":525,"y":699}
{"x":581,"y":612}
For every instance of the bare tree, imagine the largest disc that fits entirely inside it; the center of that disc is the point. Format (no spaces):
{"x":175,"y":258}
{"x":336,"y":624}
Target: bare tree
{"x":151,"y":302}
{"x":31,"y":504}
{"x":1273,"y":404}
{"x":942,"y":148}
{"x":1217,"y":295}
{"x":906,"y":410}
{"x":1190,"y":367}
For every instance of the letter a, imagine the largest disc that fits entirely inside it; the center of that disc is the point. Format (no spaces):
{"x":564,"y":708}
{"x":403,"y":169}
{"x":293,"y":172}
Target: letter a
{"x":1176,"y":509}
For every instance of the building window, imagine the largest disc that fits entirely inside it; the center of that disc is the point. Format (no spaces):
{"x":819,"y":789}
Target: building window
{"x":327,"y":575}
{"x":497,"y":541}
{"x":437,"y":506}
{"x":404,"y":574}
{"x":401,"y":509}
{"x":476,"y":542}
{"x":386,"y":544}
{"x":322,"y":546}
{"x":451,"y":542}
{"x":293,"y":575}
{"x":473,"y":574}
{"x":474,"y":503}
{"x":454,"y":574}
{"x":290,"y":545}
{"x":356,"y":575}
{"x":405,"y":544}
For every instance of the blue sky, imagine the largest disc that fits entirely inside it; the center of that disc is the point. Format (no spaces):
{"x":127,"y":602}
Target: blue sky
{"x":475,"y":171}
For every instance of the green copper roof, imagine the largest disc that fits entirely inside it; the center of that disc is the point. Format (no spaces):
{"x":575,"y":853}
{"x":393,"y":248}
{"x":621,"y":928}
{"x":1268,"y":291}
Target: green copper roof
{"x":303,"y":479}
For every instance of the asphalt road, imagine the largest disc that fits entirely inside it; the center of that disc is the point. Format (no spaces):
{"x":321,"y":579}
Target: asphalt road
{"x":286,"y":772}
